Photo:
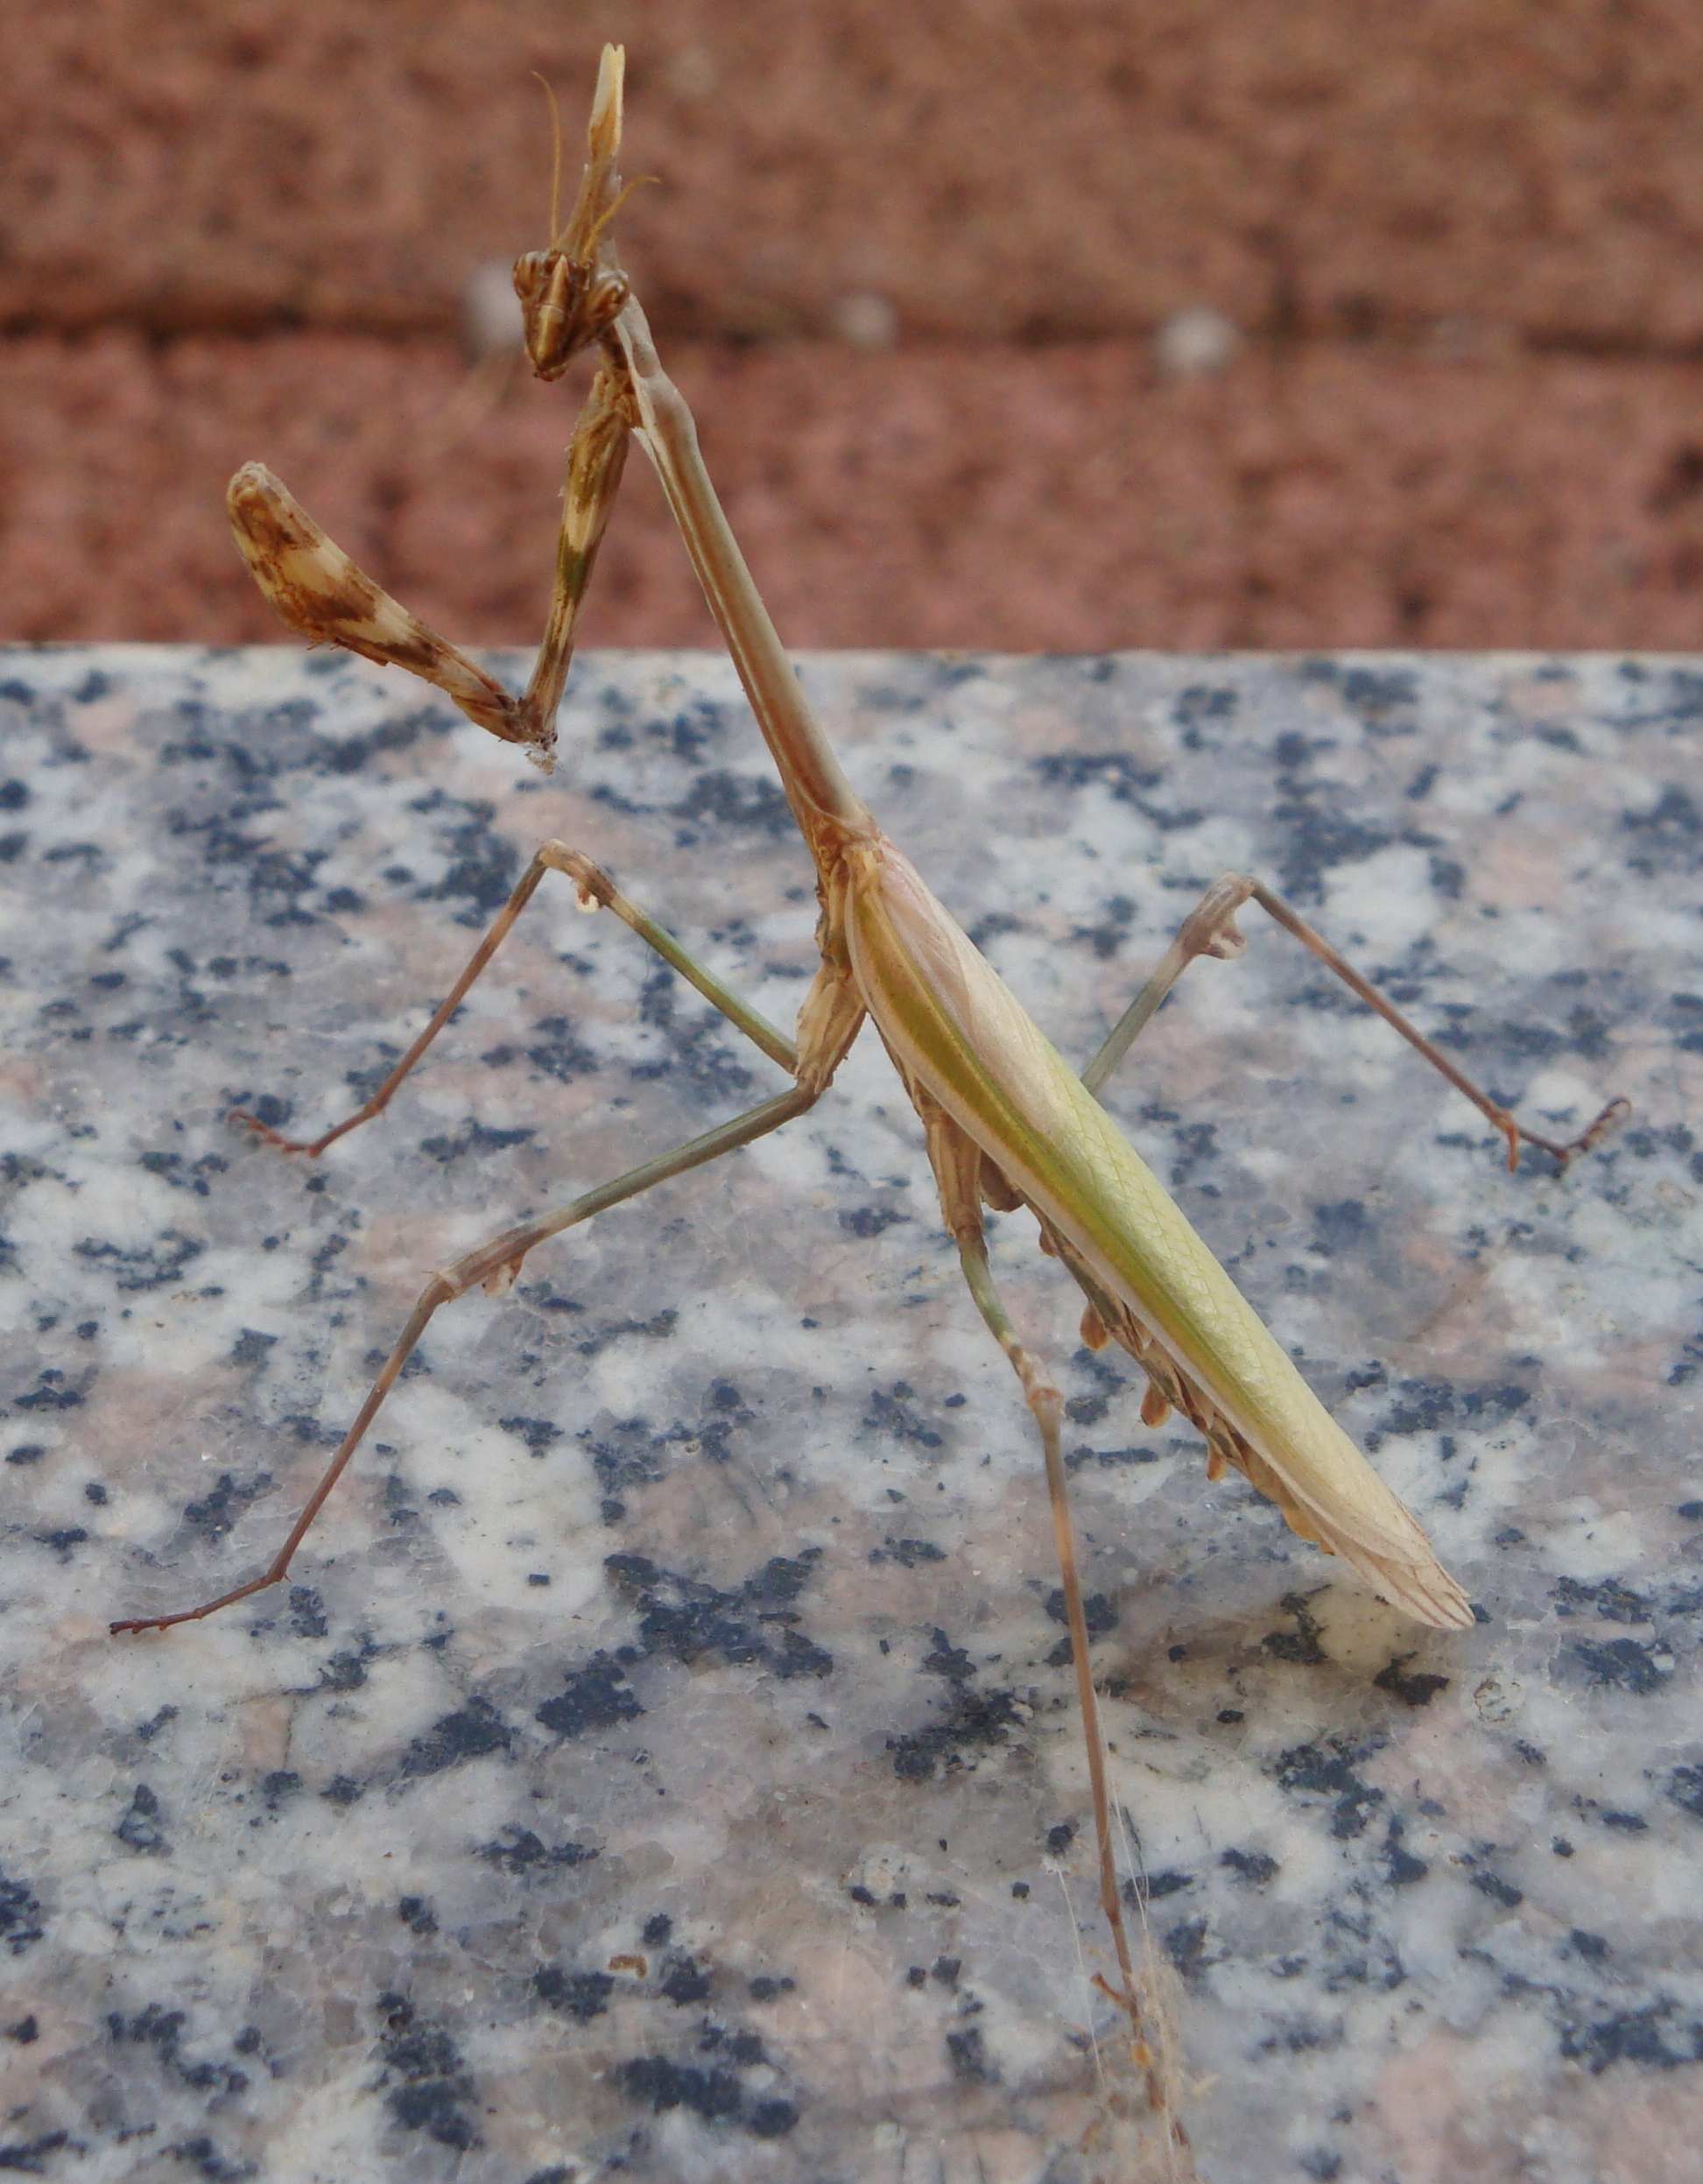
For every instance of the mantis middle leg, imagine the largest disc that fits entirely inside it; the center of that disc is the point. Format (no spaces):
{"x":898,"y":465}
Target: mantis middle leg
{"x":595,"y":890}
{"x":1210,"y":929}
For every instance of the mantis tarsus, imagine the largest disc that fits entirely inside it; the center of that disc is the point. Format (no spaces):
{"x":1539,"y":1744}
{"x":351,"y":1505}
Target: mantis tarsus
{"x":1007,"y":1123}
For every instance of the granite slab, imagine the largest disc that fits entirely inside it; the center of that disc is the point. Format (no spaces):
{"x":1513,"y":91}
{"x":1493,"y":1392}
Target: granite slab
{"x":662,"y":1761}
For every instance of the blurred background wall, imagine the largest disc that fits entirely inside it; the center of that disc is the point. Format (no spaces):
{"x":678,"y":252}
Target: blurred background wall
{"x":1027,"y":323}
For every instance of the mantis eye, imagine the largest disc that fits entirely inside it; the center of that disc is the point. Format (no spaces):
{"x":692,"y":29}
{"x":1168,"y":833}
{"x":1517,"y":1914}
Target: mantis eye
{"x":531,"y":274}
{"x":607,"y":302}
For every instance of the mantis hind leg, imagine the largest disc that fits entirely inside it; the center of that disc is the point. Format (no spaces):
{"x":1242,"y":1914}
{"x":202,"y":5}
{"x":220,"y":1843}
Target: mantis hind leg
{"x":958,"y":1170}
{"x":829,"y":1021}
{"x":493,"y":1264}
{"x":1210,"y":929}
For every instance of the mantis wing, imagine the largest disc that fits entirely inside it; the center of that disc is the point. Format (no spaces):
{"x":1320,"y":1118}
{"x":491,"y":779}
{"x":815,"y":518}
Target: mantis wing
{"x":954,"y":1028}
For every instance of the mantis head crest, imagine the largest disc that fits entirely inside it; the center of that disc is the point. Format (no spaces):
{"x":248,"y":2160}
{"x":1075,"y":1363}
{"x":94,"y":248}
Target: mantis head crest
{"x":571,"y":293}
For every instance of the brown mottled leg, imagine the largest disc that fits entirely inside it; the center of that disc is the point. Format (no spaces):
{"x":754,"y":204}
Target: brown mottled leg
{"x":314,"y":587}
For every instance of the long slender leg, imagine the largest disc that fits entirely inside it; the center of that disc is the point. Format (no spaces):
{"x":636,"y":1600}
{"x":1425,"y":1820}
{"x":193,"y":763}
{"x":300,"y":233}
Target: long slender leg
{"x":1210,"y":929}
{"x":595,"y":888}
{"x":957,"y":1164}
{"x":495,"y":1263}
{"x":319,"y":591}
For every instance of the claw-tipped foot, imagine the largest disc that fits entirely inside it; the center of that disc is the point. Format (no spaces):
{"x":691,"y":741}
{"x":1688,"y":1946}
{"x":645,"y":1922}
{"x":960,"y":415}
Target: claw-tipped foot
{"x":309,"y":1148}
{"x":1605,"y":1125}
{"x":195,"y":1615}
{"x":274,"y":1138}
{"x":142,"y":1622}
{"x":1565,"y":1153}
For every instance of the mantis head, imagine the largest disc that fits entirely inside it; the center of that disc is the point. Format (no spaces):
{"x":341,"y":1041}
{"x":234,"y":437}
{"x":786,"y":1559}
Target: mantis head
{"x":572,"y":293}
{"x":567,"y":303}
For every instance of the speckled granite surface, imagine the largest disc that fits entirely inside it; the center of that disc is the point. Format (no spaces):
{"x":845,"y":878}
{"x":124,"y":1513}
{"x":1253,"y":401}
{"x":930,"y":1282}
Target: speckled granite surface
{"x":665,"y":1764}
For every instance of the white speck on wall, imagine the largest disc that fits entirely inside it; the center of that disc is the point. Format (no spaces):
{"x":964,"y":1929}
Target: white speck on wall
{"x":863,"y":319}
{"x":1195,"y":342}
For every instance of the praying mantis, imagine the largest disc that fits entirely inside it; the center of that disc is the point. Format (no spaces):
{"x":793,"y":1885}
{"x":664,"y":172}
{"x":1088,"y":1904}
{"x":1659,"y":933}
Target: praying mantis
{"x":1007,"y":1124}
